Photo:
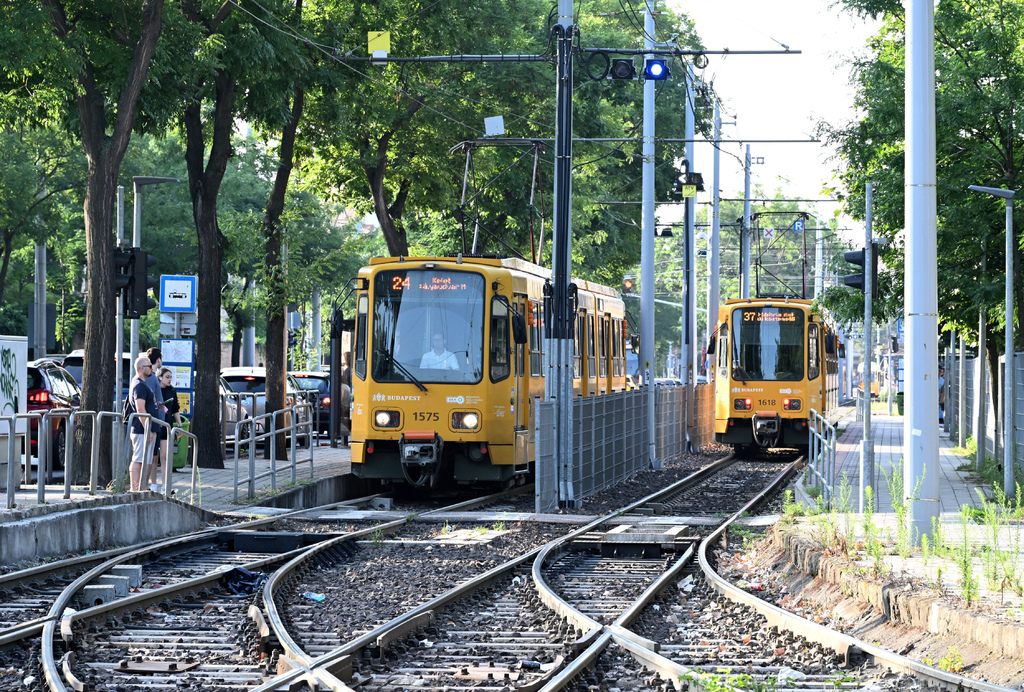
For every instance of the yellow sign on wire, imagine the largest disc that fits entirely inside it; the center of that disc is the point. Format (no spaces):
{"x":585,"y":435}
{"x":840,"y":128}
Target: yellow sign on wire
{"x":378,"y":40}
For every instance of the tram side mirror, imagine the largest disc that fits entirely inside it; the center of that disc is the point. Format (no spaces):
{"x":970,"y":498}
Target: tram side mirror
{"x":842,"y":351}
{"x":711,"y":345}
{"x":634,"y":343}
{"x":830,"y":343}
{"x":518,"y":328}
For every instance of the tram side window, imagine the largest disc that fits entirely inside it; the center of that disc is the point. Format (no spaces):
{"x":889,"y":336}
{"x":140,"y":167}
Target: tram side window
{"x":362,"y":308}
{"x":535,"y":339}
{"x":616,"y":366}
{"x":520,"y":348}
{"x":813,"y":352}
{"x":577,"y":349}
{"x":602,"y":336}
{"x":723,"y":350}
{"x":499,"y":341}
{"x":591,"y":351}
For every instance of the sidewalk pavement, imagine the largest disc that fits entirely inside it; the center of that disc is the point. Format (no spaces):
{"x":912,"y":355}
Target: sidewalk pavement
{"x":216,"y":487}
{"x":956,"y":488}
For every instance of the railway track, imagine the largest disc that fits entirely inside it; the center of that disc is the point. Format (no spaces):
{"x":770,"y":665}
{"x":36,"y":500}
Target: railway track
{"x":630,"y":599}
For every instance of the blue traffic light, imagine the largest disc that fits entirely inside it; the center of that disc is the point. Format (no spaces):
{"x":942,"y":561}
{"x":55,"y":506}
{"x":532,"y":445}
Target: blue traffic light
{"x":656,"y":69}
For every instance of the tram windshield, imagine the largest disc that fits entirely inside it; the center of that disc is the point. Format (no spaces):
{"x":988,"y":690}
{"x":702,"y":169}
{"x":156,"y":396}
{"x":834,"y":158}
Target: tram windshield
{"x":428,"y":326}
{"x":768,"y":343}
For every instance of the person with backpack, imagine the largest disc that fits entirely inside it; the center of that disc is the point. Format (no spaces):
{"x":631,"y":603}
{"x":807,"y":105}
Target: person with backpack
{"x":143,"y":401}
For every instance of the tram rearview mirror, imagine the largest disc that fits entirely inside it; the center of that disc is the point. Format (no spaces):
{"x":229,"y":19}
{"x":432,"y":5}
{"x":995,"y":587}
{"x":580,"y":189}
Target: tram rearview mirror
{"x":711,"y":346}
{"x":518,"y":328}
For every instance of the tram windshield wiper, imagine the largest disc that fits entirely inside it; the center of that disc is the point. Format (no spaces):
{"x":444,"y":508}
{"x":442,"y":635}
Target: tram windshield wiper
{"x":395,"y":364}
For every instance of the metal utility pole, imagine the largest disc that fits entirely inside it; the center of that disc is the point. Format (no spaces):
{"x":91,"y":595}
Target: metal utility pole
{"x":118,"y":440}
{"x":819,"y":258}
{"x":716,"y":203}
{"x":647,"y":246}
{"x":137,"y":182}
{"x":745,"y":231}
{"x":867,"y":451}
{"x":690,"y":345}
{"x":558,"y":386}
{"x":315,"y":324}
{"x":920,"y":422}
{"x":39,"y":326}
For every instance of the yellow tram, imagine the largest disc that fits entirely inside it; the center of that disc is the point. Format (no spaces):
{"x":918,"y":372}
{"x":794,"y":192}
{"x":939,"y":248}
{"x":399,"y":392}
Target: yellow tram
{"x":448,"y":355}
{"x":775,"y":361}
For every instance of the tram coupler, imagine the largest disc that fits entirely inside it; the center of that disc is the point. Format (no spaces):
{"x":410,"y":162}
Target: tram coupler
{"x":421,"y":449}
{"x":767,"y":427}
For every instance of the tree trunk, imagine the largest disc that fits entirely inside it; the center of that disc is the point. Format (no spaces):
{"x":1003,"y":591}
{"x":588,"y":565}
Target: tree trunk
{"x":8,"y":247}
{"x":276,"y":358}
{"x":104,"y":154}
{"x":204,"y":185}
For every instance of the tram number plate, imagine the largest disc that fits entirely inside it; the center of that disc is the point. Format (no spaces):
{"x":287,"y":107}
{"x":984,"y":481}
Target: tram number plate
{"x":766,"y":402}
{"x":424,"y":416}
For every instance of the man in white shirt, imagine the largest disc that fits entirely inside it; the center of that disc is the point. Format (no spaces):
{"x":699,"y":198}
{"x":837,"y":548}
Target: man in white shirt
{"x":439,"y":358}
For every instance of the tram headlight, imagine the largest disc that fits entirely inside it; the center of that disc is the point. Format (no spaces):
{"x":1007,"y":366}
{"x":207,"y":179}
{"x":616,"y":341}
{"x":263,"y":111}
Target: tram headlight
{"x":742,"y":404}
{"x":791,"y":404}
{"x":387,"y":419}
{"x":465,"y":420}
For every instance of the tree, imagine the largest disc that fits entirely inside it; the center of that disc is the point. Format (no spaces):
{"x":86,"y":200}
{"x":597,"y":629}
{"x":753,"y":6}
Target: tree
{"x":95,"y":55}
{"x":979,"y":84}
{"x":392,"y":155}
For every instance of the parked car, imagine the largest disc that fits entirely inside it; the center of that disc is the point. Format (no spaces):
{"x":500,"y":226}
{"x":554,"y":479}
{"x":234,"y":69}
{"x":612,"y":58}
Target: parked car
{"x":251,"y":385}
{"x":317,"y":384}
{"x":234,"y":411}
{"x":74,"y":363}
{"x":49,"y":387}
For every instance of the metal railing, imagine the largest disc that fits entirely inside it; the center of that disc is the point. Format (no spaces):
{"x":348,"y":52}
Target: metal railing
{"x":822,"y":464}
{"x":294,"y":427}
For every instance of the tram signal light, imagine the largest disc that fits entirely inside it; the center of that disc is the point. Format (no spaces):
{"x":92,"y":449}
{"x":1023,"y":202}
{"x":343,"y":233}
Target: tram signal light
{"x":293,"y":338}
{"x":857,"y":280}
{"x":656,"y":69}
{"x":622,"y":69}
{"x":627,"y":285}
{"x":122,"y":272}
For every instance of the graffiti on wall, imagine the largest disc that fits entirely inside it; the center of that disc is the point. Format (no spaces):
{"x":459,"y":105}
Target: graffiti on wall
{"x":8,"y":382}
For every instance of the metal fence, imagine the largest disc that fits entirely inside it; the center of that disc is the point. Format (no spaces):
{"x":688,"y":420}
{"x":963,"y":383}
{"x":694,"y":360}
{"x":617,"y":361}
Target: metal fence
{"x":993,"y":427}
{"x":611,"y":437}
{"x":822,"y":463}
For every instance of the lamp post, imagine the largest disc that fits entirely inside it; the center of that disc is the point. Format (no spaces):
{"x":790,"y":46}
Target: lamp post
{"x":137,"y":182}
{"x":1008,"y":481}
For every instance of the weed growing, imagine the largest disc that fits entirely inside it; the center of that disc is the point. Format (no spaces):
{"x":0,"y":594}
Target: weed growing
{"x":963,"y":558}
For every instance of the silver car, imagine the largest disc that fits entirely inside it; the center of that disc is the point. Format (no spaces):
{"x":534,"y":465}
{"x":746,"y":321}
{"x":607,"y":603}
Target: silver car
{"x":250,"y":384}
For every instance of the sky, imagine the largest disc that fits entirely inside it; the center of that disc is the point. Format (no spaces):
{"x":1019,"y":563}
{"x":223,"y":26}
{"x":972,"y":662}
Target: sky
{"x":778,"y":96}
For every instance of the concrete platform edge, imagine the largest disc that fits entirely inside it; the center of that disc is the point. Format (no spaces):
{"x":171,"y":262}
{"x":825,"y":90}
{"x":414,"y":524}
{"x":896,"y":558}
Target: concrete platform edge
{"x":898,"y":605}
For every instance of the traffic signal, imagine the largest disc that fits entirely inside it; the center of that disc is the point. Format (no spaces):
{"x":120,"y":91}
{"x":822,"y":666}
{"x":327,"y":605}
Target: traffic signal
{"x":293,"y":338}
{"x":622,"y":69}
{"x":122,"y":273}
{"x":627,"y":285}
{"x":656,"y":69}
{"x":857,"y":280}
{"x":138,"y":302}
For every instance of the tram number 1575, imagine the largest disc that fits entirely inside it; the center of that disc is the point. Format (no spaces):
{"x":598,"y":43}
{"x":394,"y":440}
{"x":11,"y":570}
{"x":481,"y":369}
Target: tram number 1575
{"x":424,"y":416}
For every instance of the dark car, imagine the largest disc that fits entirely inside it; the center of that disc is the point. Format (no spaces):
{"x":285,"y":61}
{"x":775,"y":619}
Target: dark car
{"x":316,"y":384}
{"x":49,"y":387}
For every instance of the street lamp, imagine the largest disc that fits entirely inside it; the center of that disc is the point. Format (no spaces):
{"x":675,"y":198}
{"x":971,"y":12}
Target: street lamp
{"x":1008,"y":482}
{"x":137,"y":182}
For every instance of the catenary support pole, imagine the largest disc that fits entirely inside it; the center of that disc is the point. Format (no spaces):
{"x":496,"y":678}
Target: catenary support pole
{"x":716,"y":215}
{"x":690,"y":346}
{"x":921,"y":419}
{"x":745,"y":231}
{"x":647,"y":247}
{"x":867,"y":452}
{"x":558,"y":386}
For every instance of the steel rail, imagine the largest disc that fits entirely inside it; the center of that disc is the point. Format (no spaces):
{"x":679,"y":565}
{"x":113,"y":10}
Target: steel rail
{"x":57,"y":611}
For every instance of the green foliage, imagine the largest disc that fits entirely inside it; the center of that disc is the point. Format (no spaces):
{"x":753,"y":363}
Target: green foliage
{"x":963,"y":557}
{"x":978,"y":84}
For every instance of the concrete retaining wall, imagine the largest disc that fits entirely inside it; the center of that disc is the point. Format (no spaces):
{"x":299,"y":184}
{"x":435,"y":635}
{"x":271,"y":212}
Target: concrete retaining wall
{"x":905,"y":607}
{"x":323,"y":491}
{"x":93,"y":527}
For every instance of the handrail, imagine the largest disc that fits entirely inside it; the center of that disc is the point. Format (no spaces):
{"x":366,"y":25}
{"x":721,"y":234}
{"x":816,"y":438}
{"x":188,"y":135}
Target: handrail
{"x":47,"y":473}
{"x":822,"y":448}
{"x":176,"y":434}
{"x":294,"y":428}
{"x":12,"y":479}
